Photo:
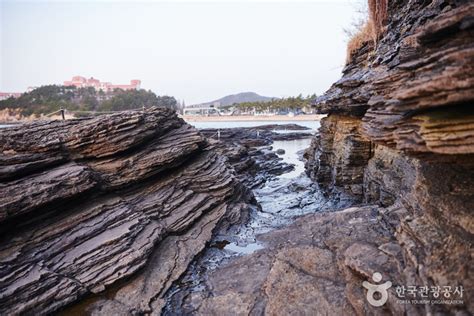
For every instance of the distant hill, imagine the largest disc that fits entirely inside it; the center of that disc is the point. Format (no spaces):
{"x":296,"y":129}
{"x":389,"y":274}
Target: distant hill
{"x":237,"y":98}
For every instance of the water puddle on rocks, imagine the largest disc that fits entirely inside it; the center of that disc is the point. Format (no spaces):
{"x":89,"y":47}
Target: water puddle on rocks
{"x":234,"y":247}
{"x":289,"y":195}
{"x":293,"y":152}
{"x":281,"y":199}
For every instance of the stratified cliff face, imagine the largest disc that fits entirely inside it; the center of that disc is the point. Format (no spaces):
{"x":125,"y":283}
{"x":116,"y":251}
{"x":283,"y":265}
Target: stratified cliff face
{"x":342,"y":155}
{"x":86,"y":204}
{"x":400,"y":134}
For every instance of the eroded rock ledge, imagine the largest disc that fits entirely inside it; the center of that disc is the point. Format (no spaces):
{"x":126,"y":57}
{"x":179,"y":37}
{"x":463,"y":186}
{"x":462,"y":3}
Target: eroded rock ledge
{"x":400,"y":135}
{"x":86,"y":204}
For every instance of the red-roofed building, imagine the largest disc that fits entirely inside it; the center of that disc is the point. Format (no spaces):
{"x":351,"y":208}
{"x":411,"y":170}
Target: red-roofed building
{"x":82,"y":82}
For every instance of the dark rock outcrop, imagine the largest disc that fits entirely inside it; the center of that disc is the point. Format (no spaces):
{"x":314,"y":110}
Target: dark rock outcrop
{"x":248,"y":150}
{"x":260,"y":135}
{"x":404,"y":120}
{"x":254,"y":165}
{"x":86,"y":204}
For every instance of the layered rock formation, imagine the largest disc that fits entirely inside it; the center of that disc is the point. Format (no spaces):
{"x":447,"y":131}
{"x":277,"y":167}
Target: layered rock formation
{"x":113,"y":210}
{"x":260,"y":135}
{"x":338,"y":155}
{"x":86,"y":204}
{"x":399,"y":133}
{"x":398,"y":140}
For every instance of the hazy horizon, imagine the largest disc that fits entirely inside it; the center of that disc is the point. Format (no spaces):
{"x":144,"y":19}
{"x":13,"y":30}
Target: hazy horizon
{"x":192,"y":50}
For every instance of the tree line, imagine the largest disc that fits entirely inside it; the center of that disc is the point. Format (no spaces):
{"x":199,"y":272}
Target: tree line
{"x":277,"y":105}
{"x":50,"y":98}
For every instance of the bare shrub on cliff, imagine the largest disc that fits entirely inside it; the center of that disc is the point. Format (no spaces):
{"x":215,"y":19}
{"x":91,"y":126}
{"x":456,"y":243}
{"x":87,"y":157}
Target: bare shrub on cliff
{"x":365,"y":34}
{"x":368,"y":28}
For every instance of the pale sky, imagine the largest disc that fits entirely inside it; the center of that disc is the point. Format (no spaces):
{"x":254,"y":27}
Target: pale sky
{"x":192,"y":50}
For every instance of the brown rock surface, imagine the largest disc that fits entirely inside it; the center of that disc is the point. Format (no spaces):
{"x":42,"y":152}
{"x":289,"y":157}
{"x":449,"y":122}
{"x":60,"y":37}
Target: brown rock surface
{"x":313,"y":267}
{"x":410,"y":99}
{"x":338,"y":155}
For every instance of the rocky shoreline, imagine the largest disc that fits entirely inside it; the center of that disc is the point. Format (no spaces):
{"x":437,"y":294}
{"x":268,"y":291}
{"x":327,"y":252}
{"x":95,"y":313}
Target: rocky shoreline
{"x":403,"y":158}
{"x":397,"y":146}
{"x":231,"y":276}
{"x":95,"y":211}
{"x":249,"y":150}
{"x":139,"y":213}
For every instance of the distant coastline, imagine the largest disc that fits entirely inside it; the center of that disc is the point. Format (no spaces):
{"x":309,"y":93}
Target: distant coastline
{"x":248,"y":118}
{"x":196,"y":118}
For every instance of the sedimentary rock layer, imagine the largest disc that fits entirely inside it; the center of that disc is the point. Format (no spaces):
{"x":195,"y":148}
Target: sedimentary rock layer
{"x":408,"y":100}
{"x":86,"y":204}
{"x":339,"y":154}
{"x":414,"y":88}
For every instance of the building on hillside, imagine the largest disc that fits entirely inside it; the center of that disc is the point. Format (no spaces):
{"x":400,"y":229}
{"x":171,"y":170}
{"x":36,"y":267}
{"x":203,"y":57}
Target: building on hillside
{"x":82,"y":82}
{"x":6,"y":95}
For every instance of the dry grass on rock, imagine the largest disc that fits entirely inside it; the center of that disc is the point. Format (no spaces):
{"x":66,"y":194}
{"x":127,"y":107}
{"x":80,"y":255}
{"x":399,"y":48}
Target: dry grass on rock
{"x":369,"y":31}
